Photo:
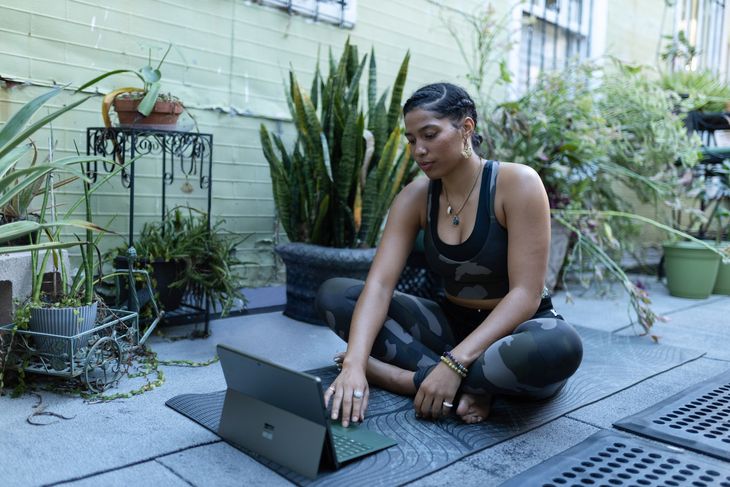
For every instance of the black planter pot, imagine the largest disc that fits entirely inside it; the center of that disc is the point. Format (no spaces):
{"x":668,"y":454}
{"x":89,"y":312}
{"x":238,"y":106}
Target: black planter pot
{"x":164,"y":273}
{"x":308,"y":266}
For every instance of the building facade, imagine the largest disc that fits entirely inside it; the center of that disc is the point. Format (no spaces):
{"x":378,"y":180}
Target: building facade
{"x":230,"y":58}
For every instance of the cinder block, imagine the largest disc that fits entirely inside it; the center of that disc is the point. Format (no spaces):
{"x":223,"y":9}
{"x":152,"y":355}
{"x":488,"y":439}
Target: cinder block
{"x":16,"y":280}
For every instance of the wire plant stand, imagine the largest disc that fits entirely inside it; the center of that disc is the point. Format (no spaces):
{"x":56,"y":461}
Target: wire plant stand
{"x":97,"y":357}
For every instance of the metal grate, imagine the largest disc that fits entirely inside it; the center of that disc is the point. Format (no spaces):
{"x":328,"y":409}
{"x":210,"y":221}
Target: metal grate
{"x":339,"y":12}
{"x":697,"y":418}
{"x":608,"y":458}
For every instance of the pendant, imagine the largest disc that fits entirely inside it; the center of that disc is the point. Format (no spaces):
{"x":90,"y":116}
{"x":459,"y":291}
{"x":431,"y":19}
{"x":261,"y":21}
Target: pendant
{"x":455,"y":220}
{"x":449,"y":210}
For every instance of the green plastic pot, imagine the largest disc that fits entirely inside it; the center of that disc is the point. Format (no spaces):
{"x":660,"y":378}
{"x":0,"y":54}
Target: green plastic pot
{"x":722,"y":282}
{"x":691,"y":269}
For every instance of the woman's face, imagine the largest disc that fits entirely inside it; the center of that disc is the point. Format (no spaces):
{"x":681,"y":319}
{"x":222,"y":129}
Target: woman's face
{"x":436,"y":144}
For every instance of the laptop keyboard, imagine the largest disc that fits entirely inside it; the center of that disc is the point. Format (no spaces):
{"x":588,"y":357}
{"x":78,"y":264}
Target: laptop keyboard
{"x":347,"y":447}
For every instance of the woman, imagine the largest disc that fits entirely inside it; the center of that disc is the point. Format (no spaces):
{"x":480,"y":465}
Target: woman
{"x":487,"y":233}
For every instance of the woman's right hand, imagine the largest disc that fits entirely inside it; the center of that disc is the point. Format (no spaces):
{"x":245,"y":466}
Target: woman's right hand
{"x":349,"y":393}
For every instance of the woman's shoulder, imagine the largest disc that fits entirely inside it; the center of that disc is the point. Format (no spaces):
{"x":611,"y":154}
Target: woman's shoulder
{"x":518,"y":187}
{"x":416,"y":189}
{"x":517,"y":175}
{"x":413,"y":199}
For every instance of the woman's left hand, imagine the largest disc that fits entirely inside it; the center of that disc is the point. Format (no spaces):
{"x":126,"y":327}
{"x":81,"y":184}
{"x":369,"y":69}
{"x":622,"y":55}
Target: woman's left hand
{"x":435,"y":397}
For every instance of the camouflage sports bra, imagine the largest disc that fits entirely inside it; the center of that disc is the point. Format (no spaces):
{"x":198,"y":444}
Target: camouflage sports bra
{"x":476,"y":268}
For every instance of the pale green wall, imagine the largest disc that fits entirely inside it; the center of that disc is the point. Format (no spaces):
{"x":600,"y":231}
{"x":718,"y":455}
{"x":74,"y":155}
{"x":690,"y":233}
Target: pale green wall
{"x":634,"y":28}
{"x":227,"y":65}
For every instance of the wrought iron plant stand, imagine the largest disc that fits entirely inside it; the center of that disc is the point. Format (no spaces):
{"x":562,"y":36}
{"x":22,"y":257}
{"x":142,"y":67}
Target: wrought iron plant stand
{"x":97,"y":356}
{"x":183,"y":155}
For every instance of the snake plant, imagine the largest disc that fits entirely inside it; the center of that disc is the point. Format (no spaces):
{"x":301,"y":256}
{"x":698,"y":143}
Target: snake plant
{"x":335,"y":185}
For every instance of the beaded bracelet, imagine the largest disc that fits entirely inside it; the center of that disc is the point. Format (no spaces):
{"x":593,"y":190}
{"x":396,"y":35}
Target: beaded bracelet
{"x":458,"y":364}
{"x":453,"y":367}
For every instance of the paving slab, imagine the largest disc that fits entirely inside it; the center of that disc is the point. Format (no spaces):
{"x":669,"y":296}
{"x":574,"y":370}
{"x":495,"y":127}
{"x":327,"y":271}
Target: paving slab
{"x":221,"y":465}
{"x":148,"y":474}
{"x":607,"y":307}
{"x":98,"y":437}
{"x":705,"y":328}
{"x":503,"y":461}
{"x":271,"y":335}
{"x":605,"y":412}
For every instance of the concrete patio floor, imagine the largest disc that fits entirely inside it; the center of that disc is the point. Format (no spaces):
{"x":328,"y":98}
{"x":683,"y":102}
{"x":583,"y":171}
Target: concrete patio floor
{"x":139,"y":441}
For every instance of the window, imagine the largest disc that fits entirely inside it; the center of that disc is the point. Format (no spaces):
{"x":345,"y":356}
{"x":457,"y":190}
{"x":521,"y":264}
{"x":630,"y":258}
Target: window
{"x":339,"y":12}
{"x":552,"y":33}
{"x":701,"y":25}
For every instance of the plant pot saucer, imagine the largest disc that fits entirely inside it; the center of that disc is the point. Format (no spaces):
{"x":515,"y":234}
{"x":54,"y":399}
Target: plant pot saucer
{"x":146,"y":126}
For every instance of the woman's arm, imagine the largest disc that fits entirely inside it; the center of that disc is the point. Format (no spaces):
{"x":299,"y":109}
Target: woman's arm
{"x":404,"y":220}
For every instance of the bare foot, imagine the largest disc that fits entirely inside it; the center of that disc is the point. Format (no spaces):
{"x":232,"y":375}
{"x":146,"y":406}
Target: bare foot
{"x":474,"y":408}
{"x":387,"y":376}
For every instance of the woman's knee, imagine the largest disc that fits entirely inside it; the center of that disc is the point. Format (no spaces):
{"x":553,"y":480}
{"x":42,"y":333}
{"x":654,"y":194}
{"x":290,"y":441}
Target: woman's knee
{"x":336,"y":300}
{"x":556,"y":342}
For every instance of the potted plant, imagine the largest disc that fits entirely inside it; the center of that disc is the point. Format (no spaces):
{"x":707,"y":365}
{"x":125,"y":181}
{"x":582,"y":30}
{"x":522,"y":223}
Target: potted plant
{"x":143,"y":106}
{"x":333,"y":188}
{"x":19,"y":185}
{"x":63,"y":307}
{"x":186,"y":257}
{"x":693,"y":267}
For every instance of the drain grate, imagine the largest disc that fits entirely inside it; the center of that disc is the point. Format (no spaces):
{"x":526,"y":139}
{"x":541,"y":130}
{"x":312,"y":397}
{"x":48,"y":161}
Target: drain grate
{"x":697,"y":418}
{"x":609,"y":458}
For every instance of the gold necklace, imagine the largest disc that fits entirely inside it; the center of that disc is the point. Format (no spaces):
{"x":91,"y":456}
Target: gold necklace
{"x":455,"y":220}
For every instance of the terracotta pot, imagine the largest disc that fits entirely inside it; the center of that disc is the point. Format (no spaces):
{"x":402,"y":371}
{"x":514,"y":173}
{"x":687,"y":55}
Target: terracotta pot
{"x":163,"y":115}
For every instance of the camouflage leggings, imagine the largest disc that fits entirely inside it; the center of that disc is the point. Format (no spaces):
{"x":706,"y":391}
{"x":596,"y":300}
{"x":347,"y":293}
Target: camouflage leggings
{"x":535,"y":361}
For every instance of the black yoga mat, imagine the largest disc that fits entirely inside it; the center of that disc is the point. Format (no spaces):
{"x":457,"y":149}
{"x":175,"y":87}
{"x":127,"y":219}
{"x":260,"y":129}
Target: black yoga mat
{"x":697,"y":418}
{"x":611,"y":363}
{"x":611,"y":458}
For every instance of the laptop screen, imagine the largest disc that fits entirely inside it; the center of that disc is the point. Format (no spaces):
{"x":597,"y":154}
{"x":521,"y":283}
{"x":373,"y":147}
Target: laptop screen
{"x":292,"y":391}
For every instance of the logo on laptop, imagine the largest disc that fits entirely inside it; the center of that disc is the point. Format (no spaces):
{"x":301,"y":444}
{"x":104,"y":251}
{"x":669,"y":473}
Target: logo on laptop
{"x":268,"y":431}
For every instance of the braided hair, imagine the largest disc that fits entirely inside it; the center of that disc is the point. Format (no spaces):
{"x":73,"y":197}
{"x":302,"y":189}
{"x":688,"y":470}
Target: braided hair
{"x":445,"y":100}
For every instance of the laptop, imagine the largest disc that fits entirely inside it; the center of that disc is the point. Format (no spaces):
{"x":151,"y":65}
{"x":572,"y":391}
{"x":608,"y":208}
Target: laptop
{"x":280,"y":414}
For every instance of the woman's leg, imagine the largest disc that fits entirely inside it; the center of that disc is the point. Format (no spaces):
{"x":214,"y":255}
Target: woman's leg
{"x":415,"y":332}
{"x":535,"y":361}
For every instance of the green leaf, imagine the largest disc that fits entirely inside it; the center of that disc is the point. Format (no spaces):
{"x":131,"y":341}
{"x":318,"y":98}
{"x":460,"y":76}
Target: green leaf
{"x":150,"y":75}
{"x":39,"y":246}
{"x":8,"y":162}
{"x":395,"y":110}
{"x":13,"y":134}
{"x":147,"y":104}
{"x":372,"y":81}
{"x":106,"y":75}
{"x":347,"y":168}
{"x":22,"y":116}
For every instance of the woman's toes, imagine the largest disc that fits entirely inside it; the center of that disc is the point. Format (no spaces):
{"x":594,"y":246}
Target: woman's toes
{"x":474,"y":409}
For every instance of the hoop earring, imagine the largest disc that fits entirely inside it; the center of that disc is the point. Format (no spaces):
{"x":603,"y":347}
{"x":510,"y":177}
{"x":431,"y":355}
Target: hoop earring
{"x":466,"y":152}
